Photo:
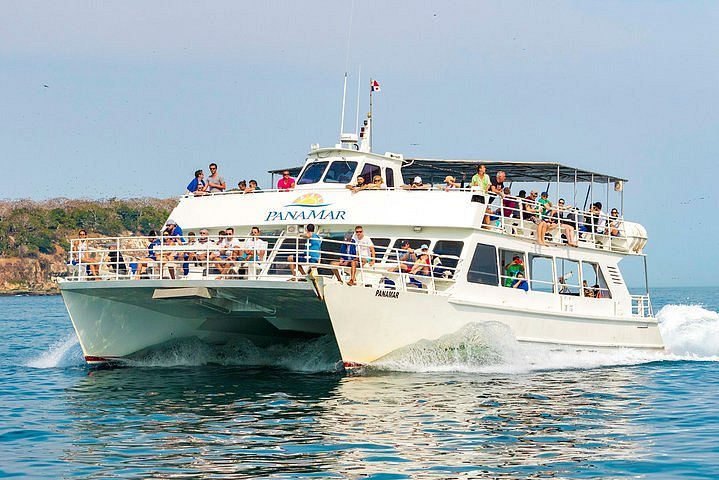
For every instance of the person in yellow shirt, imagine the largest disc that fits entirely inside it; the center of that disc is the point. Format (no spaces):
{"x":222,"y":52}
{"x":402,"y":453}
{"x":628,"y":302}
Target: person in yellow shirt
{"x":481,"y":181}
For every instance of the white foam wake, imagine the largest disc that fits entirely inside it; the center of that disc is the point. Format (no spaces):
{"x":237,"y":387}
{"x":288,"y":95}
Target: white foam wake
{"x":63,"y":353}
{"x":690,"y":332}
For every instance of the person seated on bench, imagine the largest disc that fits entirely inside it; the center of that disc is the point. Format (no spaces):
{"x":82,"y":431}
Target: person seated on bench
{"x":348,"y":254}
{"x":406,"y":259}
{"x":420,"y":267}
{"x":83,"y":255}
{"x":311,"y":253}
{"x":365,"y":250}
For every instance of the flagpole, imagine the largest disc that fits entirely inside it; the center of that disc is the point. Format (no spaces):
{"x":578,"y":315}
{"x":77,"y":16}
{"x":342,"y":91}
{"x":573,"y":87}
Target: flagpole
{"x":344,"y":95}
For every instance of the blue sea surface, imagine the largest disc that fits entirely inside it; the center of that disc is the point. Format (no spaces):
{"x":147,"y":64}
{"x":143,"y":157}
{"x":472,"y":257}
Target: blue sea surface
{"x":470,"y":412}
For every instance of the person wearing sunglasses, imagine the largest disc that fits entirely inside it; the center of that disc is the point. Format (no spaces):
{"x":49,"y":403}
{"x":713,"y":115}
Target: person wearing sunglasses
{"x":286,"y":183}
{"x":615,"y":223}
{"x":377,"y":183}
{"x":365,"y":250}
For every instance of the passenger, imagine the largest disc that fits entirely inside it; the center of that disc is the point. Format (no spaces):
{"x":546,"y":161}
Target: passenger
{"x":311,"y":253}
{"x":615,"y":223}
{"x":253,"y":187}
{"x":242,"y":186}
{"x":215,"y":182}
{"x":168,"y":257}
{"x":588,"y":292}
{"x":510,"y":205}
{"x":550,"y":220}
{"x":143,"y":263}
{"x":599,"y":219}
{"x":481,"y":181}
{"x":511,"y":270}
{"x":365,"y":250}
{"x":520,"y":283}
{"x":597,"y":291}
{"x":360,"y":185}
{"x":233,"y":251}
{"x":174,"y":230}
{"x":417,"y":184}
{"x":348,"y":254}
{"x":286,"y":183}
{"x":450,"y":183}
{"x":496,"y":187}
{"x":255,"y":247}
{"x":191,"y":245}
{"x":422,"y":265}
{"x":406,"y":258}
{"x":205,"y":247}
{"x":529,"y":207}
{"x":197,"y":186}
{"x":562,"y":281}
{"x":520,"y":202}
{"x":377,"y":183}
{"x":84,"y":257}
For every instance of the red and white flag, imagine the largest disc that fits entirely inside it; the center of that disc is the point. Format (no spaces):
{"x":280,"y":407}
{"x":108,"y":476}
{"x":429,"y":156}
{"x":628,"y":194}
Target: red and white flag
{"x":374,"y":85}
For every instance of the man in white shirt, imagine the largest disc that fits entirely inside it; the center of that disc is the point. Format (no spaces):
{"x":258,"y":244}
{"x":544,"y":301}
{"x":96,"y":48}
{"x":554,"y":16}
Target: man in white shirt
{"x":255,"y":247}
{"x":365,"y":252}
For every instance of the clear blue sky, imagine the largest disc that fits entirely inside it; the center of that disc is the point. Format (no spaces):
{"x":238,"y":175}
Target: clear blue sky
{"x":127,"y":99}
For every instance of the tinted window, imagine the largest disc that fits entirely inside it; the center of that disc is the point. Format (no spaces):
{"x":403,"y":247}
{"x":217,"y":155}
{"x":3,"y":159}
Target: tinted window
{"x":541,"y":273}
{"x":447,"y":250}
{"x":369,"y":171}
{"x":389,"y":178}
{"x":312,"y":173}
{"x":380,"y":246}
{"x":483,"y":268}
{"x":340,"y":171}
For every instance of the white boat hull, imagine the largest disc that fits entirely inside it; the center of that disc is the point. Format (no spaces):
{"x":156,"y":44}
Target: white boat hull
{"x":115,"y":320}
{"x":370,"y":323}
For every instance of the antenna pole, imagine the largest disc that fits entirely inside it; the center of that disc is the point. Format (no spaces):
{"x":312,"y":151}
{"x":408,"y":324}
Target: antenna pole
{"x":371,"y":89}
{"x":359,"y":83}
{"x":344,"y":96}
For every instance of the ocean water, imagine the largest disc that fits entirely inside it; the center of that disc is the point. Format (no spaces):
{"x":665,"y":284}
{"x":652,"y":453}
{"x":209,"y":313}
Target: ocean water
{"x":472,"y":405}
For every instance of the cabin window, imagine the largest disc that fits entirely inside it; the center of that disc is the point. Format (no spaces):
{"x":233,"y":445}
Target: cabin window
{"x":483,"y":268}
{"x":568,"y":277}
{"x":593,"y":284}
{"x":511,"y":266}
{"x":369,"y":171}
{"x":380,"y":247}
{"x":340,"y":171}
{"x":312,"y":173}
{"x":389,"y":178}
{"x":541,"y":273}
{"x":449,"y":252}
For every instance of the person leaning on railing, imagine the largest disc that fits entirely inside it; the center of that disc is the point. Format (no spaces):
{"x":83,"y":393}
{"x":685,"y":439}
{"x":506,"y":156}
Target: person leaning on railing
{"x":312,"y":253}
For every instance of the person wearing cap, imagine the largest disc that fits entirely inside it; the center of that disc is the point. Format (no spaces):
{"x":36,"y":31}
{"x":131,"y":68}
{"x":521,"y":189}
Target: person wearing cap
{"x":512,"y":269}
{"x":450,"y":183}
{"x":173,"y":229}
{"x":417,"y":184}
{"x":406,"y":258}
{"x":421,"y":266}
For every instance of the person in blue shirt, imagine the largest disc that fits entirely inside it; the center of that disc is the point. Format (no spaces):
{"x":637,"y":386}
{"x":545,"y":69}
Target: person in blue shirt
{"x":348,"y":254}
{"x":520,"y":283}
{"x":198,"y":186}
{"x":311,"y":252}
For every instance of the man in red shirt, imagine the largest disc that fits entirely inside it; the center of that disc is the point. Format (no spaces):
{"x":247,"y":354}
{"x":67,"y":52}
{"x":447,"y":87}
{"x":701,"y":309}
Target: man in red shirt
{"x":286,"y":183}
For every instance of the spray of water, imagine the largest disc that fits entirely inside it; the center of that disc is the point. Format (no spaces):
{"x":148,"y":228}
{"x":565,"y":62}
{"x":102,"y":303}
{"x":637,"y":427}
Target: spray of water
{"x":690,"y":332}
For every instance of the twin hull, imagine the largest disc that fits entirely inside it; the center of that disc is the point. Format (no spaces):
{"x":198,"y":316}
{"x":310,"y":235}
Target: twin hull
{"x":117,"y":320}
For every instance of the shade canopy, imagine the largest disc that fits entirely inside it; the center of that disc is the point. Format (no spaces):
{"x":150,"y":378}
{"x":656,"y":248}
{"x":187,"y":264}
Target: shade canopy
{"x":431,"y":169}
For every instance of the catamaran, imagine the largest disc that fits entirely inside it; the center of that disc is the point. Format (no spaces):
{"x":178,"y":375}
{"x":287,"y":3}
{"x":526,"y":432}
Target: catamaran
{"x":220,"y":291}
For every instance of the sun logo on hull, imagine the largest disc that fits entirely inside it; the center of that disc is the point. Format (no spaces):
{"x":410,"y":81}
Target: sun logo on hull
{"x":308,"y":200}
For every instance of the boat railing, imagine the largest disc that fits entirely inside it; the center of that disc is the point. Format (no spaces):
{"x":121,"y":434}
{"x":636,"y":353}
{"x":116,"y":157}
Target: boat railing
{"x":642,"y":306}
{"x":521,"y":217}
{"x":276,"y":258}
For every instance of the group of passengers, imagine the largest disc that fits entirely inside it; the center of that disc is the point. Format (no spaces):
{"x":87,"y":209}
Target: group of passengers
{"x":215,"y":183}
{"x":539,"y":210}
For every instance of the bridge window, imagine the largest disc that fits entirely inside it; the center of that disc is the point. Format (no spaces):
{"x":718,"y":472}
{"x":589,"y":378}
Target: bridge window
{"x":312,"y":173}
{"x":449,"y":252}
{"x":483,"y":268}
{"x":389,"y":180}
{"x":541,"y":273}
{"x":510,"y":266}
{"x":340,"y":171}
{"x":595,"y":287}
{"x":369,"y":171}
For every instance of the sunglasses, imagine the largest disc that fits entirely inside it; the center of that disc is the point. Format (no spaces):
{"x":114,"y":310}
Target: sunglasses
{"x":358,"y":231}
